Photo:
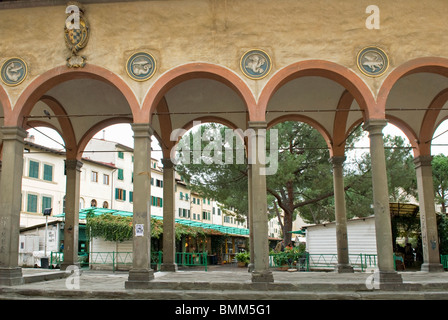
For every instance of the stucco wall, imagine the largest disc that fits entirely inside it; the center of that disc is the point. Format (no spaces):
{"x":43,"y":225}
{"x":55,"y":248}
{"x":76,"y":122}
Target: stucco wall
{"x":219,"y":32}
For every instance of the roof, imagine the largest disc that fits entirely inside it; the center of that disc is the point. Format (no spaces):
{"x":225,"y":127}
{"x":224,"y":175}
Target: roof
{"x":403,"y":209}
{"x":99,"y":211}
{"x":396,"y":209}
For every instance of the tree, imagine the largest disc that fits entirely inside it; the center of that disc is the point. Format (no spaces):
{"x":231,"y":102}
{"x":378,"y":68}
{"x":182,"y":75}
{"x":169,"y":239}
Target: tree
{"x":303,"y":183}
{"x":440,"y":177}
{"x":303,"y":177}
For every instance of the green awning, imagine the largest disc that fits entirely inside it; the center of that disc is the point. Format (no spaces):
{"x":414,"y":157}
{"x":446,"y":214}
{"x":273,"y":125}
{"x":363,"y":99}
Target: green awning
{"x":99,"y":211}
{"x":302,"y":232}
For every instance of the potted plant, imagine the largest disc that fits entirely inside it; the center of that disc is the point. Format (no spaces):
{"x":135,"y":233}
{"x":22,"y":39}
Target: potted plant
{"x":243,"y":259}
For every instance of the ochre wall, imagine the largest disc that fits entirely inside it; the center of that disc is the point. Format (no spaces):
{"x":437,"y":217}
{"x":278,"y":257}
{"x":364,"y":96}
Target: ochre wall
{"x":220,"y":31}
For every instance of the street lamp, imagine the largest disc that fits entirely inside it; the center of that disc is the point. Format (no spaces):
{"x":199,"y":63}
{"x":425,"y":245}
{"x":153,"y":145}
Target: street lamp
{"x":47,"y":212}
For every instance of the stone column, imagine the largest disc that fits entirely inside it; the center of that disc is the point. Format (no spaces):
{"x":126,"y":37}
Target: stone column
{"x":250,"y":219}
{"x":141,"y":272}
{"x":386,"y":271}
{"x":169,"y":244}
{"x":10,"y":205}
{"x":71,"y":224}
{"x":341,"y":216}
{"x":257,"y":144}
{"x":428,"y":219}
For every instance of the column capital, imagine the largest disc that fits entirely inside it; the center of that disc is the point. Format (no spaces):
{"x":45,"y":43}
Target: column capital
{"x":73,"y":164}
{"x":142,"y":130}
{"x":257,"y":124}
{"x":423,"y":161}
{"x":375,"y":126}
{"x":13,"y":133}
{"x":167,"y":163}
{"x":337,"y":160}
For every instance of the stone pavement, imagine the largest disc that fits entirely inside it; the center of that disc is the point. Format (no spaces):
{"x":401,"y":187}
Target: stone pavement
{"x":224,"y":284}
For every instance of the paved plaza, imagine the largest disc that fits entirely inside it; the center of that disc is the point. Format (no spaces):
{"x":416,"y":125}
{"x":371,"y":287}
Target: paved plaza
{"x":229,"y":283}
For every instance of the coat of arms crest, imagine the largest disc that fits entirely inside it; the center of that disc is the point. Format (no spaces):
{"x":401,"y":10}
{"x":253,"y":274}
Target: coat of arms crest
{"x":76,"y":33}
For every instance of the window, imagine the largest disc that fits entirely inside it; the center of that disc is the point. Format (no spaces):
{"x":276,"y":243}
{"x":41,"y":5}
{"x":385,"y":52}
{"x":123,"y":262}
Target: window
{"x":46,"y":203}
{"x":120,"y":154}
{"x":120,"y":194}
{"x":33,"y":171}
{"x":105,"y":205}
{"x":181,"y":196}
{"x":156,"y":201}
{"x":106,"y":179}
{"x":93,"y":203}
{"x":94,"y":176}
{"x":131,"y":196}
{"x":159,"y":183}
{"x":120,"y":174}
{"x":48,"y":172}
{"x":32,"y":203}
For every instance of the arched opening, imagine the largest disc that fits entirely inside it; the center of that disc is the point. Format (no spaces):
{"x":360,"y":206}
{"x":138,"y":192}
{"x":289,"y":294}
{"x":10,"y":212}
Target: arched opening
{"x":413,"y":96}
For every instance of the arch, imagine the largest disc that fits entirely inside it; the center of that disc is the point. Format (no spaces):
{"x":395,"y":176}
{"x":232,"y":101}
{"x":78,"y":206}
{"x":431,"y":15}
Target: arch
{"x":313,"y":123}
{"x":94,"y":130}
{"x":5,"y":103}
{"x":330,"y":70}
{"x":55,"y":76}
{"x":67,"y":134}
{"x":340,"y":123}
{"x":428,"y":64}
{"x":407,"y":130}
{"x":208,"y":119}
{"x":429,"y":124}
{"x":193,"y":71}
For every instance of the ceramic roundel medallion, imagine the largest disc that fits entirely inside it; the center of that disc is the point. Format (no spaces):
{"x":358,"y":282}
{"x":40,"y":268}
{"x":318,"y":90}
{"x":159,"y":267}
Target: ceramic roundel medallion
{"x":372,"y":61}
{"x":141,"y":66}
{"x":14,"y":71}
{"x":255,"y":64}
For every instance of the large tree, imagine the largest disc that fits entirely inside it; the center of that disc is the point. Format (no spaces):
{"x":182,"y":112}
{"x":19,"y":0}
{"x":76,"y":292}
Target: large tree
{"x":303,"y":182}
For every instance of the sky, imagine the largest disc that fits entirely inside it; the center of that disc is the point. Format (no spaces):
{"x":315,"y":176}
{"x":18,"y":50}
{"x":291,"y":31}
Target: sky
{"x":122,"y":133}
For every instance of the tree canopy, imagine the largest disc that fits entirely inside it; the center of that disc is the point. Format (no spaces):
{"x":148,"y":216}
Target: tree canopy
{"x":303,"y":183}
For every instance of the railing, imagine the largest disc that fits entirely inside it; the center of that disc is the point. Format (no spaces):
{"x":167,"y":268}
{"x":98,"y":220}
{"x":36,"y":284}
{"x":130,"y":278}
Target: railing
{"x":444,"y":261}
{"x":123,"y":260}
{"x":182,"y":259}
{"x":56,"y":258}
{"x":306,"y":261}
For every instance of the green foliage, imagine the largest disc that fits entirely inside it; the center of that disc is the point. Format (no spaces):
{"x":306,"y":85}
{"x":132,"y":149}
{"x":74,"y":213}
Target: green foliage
{"x":440,"y":177}
{"x":243,"y":257}
{"x":118,"y":228}
{"x":109,"y":227}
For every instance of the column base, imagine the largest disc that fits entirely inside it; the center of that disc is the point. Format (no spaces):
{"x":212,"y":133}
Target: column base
{"x":344,"y":268}
{"x":262,"y":276}
{"x":139,"y":279}
{"x":432,"y":267}
{"x":169,"y":267}
{"x":389,"y":280}
{"x":11,"y":276}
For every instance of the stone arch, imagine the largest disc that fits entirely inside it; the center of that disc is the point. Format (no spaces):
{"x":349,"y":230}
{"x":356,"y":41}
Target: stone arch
{"x":330,"y":70}
{"x":433,"y":65}
{"x":191,"y":71}
{"x":313,"y":123}
{"x":57,"y":75}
